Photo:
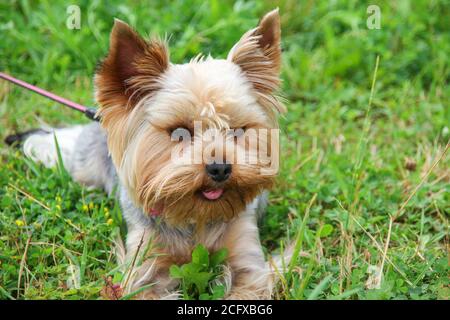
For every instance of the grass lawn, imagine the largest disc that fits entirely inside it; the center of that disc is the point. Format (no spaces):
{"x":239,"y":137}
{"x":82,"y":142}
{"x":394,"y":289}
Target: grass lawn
{"x":358,"y":139}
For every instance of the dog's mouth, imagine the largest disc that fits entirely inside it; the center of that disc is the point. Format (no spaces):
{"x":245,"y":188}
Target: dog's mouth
{"x":212,"y":194}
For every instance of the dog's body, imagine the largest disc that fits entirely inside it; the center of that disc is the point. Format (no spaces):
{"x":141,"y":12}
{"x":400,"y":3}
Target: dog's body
{"x":86,"y":157}
{"x":174,"y":207}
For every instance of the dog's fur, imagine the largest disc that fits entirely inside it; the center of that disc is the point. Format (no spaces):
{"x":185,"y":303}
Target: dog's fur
{"x":143,"y":98}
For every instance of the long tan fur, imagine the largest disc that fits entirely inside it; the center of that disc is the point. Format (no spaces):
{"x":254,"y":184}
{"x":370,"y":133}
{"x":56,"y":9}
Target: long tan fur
{"x":142,"y":98}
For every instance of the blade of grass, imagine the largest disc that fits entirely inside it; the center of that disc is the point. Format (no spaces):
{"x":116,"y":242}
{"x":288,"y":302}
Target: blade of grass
{"x":130,"y":271}
{"x":134,"y":293}
{"x":6,"y":293}
{"x":345,"y":294}
{"x":366,"y":126}
{"x":60,"y":164}
{"x":311,"y":267}
{"x":83,"y":261}
{"x":320,"y":288}
{"x":299,"y":238}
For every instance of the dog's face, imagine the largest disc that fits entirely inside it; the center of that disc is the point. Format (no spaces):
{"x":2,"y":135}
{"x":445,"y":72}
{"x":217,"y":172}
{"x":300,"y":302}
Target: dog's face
{"x":145,"y":101}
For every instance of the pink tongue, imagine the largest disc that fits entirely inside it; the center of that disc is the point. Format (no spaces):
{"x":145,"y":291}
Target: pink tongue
{"x":213,"y":194}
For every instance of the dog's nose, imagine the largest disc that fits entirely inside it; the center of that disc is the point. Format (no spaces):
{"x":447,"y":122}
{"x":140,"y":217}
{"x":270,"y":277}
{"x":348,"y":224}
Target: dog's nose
{"x":218,"y":172}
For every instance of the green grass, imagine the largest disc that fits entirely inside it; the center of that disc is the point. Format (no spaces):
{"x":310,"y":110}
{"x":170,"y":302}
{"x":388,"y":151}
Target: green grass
{"x":353,"y":149}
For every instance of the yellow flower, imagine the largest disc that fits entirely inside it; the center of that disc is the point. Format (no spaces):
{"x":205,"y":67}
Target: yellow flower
{"x":85,"y":208}
{"x":91,"y":205}
{"x":20,"y":223}
{"x":106,"y":211}
{"x":58,"y":199}
{"x":109,"y":222}
{"x":58,"y":207}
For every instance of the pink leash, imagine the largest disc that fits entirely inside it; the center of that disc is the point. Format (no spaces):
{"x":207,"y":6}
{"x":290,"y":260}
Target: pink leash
{"x":89,"y":112}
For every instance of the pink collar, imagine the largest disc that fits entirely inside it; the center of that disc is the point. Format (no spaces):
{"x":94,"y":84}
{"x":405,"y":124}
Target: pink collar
{"x":156,"y":211}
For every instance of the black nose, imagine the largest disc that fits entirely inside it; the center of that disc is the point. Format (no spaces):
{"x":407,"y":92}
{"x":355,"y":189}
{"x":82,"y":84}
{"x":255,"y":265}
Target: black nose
{"x":218,"y":172}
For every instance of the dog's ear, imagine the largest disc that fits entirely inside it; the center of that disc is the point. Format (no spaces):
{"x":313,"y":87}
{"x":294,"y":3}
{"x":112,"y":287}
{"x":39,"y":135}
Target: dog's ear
{"x":258,"y":54}
{"x":131,"y":68}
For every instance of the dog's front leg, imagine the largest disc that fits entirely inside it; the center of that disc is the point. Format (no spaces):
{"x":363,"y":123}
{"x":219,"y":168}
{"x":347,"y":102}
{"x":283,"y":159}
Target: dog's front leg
{"x":148,"y":268}
{"x":250,"y":276}
{"x":154,"y":272}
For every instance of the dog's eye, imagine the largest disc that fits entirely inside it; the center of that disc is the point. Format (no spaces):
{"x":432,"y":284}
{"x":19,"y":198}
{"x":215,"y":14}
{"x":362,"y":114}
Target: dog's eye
{"x":180,"y":134}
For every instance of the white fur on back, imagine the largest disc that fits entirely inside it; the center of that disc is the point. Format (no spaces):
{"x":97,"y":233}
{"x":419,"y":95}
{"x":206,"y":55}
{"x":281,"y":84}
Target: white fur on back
{"x":41,"y":147}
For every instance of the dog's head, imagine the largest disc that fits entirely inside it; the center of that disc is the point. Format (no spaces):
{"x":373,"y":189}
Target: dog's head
{"x":147,"y":103}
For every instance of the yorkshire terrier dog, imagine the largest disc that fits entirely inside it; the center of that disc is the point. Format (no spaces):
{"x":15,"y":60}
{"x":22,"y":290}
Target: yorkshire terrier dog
{"x":211,"y":199}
